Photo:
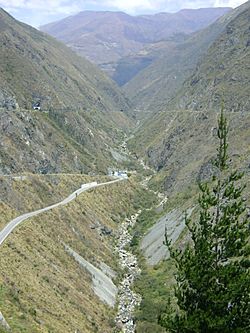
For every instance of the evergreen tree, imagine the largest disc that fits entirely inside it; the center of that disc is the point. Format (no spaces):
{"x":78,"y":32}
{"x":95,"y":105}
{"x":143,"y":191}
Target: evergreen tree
{"x":213,"y":282}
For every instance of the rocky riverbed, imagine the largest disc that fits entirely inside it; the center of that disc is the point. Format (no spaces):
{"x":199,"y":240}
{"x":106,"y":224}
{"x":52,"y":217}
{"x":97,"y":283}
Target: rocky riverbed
{"x":127,"y":299}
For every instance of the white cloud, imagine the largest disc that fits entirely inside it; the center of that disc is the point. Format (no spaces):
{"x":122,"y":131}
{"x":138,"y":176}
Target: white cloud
{"x":50,"y":6}
{"x":228,"y":3}
{"x":132,"y":6}
{"x":37,"y":12}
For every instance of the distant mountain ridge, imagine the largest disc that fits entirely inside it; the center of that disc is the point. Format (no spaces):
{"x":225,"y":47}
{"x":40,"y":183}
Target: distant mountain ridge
{"x":178,"y":136}
{"x":106,"y":37}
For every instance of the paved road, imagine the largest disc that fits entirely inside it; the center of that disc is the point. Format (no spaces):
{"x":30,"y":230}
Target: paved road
{"x":4,"y":233}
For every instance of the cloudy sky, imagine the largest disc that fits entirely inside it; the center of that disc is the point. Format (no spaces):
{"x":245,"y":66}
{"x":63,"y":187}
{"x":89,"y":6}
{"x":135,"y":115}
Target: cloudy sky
{"x":38,"y":12}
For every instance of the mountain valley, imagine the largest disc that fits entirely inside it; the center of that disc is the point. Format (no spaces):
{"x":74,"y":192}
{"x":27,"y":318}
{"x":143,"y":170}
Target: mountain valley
{"x":131,"y":159}
{"x":119,"y":43}
{"x":161,"y":85}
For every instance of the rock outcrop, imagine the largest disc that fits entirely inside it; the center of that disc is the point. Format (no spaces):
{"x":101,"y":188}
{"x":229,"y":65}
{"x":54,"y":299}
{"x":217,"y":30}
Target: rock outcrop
{"x":4,"y":323}
{"x":7,"y":101}
{"x":102,"y":284}
{"x":152,"y":244}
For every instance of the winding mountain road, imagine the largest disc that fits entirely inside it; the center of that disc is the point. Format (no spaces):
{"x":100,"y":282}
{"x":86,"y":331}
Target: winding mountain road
{"x":5,"y":232}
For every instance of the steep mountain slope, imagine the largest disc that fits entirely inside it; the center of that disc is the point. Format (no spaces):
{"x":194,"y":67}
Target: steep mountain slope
{"x":35,"y":66}
{"x":83,"y":116}
{"x":106,"y":37}
{"x":42,"y":287}
{"x":154,"y":87}
{"x":223,"y":73}
{"x":56,"y":142}
{"x":179,"y":143}
{"x":128,"y":67}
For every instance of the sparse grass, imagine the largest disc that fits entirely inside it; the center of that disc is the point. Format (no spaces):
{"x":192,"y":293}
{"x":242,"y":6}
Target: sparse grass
{"x":42,"y":288}
{"x":34,"y":64}
{"x":184,"y":145}
{"x":155,"y":285}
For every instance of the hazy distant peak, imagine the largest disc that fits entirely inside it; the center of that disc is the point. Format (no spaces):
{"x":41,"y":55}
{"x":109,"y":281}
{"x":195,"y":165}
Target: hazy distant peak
{"x":105,"y":37}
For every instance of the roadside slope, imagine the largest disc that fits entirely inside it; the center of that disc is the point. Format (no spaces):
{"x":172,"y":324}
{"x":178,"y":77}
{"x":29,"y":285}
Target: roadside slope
{"x":13,"y":224}
{"x":42,"y":287}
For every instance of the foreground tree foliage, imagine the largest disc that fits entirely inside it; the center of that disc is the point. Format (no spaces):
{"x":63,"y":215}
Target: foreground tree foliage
{"x":213,"y":282}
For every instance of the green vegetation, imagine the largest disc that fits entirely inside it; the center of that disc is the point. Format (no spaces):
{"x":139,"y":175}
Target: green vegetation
{"x":155,"y":291}
{"x":42,"y":288}
{"x":213,"y":281}
{"x":155,"y":284}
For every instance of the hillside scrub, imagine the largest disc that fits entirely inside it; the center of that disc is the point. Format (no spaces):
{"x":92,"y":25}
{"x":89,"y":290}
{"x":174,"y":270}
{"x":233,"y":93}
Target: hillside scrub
{"x":213,"y":281}
{"x":42,"y":288}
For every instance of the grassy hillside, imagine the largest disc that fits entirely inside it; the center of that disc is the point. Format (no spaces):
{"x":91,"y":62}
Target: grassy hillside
{"x":85,"y":112}
{"x":34,"y":66}
{"x":180,"y":145}
{"x":42,"y":288}
{"x":224,"y":71}
{"x":155,"y":87}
